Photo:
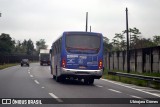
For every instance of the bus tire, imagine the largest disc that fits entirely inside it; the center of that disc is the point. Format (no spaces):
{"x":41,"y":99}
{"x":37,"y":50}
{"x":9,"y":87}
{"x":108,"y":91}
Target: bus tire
{"x":91,"y":81}
{"x":58,"y":79}
{"x":86,"y":81}
{"x":54,"y":77}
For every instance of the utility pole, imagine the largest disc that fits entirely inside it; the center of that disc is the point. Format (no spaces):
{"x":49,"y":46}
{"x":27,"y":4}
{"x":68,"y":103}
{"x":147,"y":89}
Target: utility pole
{"x":86,"y":21}
{"x":128,"y":54}
{"x":90,"y":29}
{"x":0,"y":14}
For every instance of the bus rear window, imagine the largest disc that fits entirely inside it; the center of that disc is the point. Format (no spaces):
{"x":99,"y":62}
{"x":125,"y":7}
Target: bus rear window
{"x":83,"y":43}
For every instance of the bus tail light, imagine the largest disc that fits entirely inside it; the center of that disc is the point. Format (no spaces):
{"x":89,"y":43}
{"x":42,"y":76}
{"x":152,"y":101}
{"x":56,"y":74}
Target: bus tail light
{"x":63,"y":63}
{"x":100,"y":64}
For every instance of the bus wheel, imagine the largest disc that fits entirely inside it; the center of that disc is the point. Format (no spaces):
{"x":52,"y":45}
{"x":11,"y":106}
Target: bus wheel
{"x":58,"y":79}
{"x":54,"y":77}
{"x":91,"y":80}
{"x":86,"y":81}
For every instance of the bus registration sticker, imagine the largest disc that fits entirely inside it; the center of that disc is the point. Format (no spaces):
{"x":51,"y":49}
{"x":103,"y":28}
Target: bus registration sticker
{"x":72,"y":56}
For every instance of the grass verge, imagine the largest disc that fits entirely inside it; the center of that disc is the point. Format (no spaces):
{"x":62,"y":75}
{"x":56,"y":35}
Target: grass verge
{"x":7,"y":65}
{"x":133,"y":80}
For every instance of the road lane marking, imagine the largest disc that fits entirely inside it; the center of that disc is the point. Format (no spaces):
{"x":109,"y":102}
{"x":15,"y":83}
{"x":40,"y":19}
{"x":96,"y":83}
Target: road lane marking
{"x":114,"y":90}
{"x":135,"y":96}
{"x":150,"y":90}
{"x":29,"y":72}
{"x":31,"y":75}
{"x":54,"y":96}
{"x":132,"y":88}
{"x":99,"y":86}
{"x":42,"y":87}
{"x":36,"y":81}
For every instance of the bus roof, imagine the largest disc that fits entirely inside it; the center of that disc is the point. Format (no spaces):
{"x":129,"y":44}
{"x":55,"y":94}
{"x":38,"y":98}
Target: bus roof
{"x":81,"y":32}
{"x":77,"y":32}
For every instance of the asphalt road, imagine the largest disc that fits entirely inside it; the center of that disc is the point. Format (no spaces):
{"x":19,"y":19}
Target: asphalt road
{"x":36,"y":82}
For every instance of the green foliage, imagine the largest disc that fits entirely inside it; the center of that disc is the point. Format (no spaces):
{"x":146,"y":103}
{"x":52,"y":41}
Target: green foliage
{"x":146,"y":43}
{"x":107,"y":46}
{"x":26,"y":47}
{"x":10,"y":46}
{"x":119,"y":43}
{"x":41,"y":44}
{"x":6,"y":66}
{"x":135,"y":40}
{"x":156,"y":40}
{"x":132,"y":81}
{"x":6,"y":44}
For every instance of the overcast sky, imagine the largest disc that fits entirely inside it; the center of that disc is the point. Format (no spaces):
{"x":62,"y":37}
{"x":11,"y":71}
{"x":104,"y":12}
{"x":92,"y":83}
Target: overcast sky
{"x":47,"y":19}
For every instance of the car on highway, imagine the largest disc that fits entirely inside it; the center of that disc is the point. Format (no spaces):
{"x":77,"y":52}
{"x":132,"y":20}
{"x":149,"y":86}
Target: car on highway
{"x":25,"y":62}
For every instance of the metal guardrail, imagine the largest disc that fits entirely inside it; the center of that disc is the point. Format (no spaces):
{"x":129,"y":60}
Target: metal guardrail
{"x":141,"y":77}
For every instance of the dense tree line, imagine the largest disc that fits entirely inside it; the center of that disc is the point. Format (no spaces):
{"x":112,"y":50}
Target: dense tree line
{"x":11,"y":46}
{"x":136,"y":41}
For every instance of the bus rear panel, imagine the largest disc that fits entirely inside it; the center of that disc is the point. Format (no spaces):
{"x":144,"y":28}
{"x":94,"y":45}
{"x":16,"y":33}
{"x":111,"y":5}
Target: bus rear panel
{"x":80,"y":56}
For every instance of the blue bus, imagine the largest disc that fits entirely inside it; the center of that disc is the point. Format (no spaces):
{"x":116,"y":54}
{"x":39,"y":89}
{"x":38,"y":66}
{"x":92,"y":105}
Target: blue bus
{"x":77,"y":55}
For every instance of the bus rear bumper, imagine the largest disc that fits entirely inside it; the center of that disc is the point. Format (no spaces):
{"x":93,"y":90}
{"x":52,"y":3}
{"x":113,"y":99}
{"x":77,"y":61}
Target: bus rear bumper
{"x":79,"y":73}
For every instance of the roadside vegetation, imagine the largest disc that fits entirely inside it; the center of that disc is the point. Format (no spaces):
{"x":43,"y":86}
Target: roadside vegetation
{"x":136,"y":41}
{"x":7,"y":65}
{"x":133,"y":80}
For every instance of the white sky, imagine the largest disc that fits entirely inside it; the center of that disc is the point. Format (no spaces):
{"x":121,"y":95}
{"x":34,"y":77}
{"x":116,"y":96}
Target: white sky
{"x":47,"y":19}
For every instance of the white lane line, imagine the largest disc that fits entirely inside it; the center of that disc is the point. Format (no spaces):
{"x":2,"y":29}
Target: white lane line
{"x":54,"y":96}
{"x":99,"y":86}
{"x":132,"y":88}
{"x":36,"y":81}
{"x":31,"y":75}
{"x":150,"y":90}
{"x":135,"y":96}
{"x":42,"y":87}
{"x":114,"y":90}
{"x":29,"y":72}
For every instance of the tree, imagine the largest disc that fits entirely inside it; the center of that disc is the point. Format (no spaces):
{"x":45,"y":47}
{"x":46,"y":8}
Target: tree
{"x":30,"y":47}
{"x":7,"y":45}
{"x":26,"y":47}
{"x":107,"y":47}
{"x":41,"y":44}
{"x":156,"y":40}
{"x":134,"y":37}
{"x":146,"y":42}
{"x":118,"y":42}
{"x":18,"y":47}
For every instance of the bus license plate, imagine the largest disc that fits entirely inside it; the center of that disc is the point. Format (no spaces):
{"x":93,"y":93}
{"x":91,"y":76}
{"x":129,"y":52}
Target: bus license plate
{"x":82,"y":67}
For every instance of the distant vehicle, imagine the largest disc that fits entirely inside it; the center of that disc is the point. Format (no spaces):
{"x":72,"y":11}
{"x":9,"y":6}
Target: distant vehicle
{"x":77,"y":55}
{"x":44,"y":57}
{"x":25,"y":62}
